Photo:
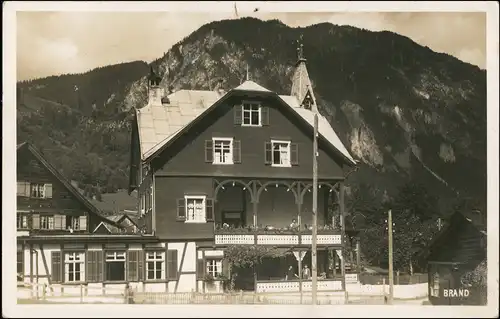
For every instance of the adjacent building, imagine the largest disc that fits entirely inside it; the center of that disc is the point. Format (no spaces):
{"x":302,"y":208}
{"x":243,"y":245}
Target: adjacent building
{"x":56,"y":242}
{"x":456,"y":260}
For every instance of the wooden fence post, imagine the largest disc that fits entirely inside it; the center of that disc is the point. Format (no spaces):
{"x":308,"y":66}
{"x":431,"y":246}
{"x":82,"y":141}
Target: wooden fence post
{"x":383,"y":286}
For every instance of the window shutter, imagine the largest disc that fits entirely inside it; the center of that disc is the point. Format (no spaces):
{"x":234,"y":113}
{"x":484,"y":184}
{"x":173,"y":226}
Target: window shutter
{"x":264,"y":112}
{"x":238,"y":109}
{"x":133,"y":265}
{"x":172,"y":264}
{"x":209,"y":206}
{"x":140,"y":265}
{"x":209,"y":151}
{"x":294,"y":153}
{"x":47,"y":190}
{"x":237,"y":151}
{"x":99,"y":265}
{"x":58,"y":222}
{"x":200,"y":268}
{"x":95,"y":266}
{"x":267,"y":153}
{"x":83,"y":223}
{"x":21,"y":188}
{"x":181,"y":209}
{"x":63,"y":221}
{"x":55,"y":257}
{"x":91,"y":273}
{"x":35,"y":221}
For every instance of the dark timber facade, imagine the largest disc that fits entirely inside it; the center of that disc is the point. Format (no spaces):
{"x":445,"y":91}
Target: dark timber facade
{"x":216,"y":168}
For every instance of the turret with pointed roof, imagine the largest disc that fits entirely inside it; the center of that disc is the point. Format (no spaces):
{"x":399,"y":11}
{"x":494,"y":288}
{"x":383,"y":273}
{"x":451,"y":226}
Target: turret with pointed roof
{"x":301,"y":83}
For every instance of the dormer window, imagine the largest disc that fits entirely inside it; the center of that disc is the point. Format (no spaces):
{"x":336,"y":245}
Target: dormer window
{"x":308,"y":101}
{"x":251,"y":114}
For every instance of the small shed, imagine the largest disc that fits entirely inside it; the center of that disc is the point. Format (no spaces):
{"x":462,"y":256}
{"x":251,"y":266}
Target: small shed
{"x":456,"y":261}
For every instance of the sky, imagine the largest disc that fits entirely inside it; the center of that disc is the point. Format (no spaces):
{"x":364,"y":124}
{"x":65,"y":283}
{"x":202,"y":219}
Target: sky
{"x":51,"y":42}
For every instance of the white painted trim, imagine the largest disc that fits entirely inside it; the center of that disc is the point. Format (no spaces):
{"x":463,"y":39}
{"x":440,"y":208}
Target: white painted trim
{"x":243,"y":110}
{"x":231,"y":153}
{"x":100,"y":225}
{"x":202,"y":197}
{"x":288,"y":143}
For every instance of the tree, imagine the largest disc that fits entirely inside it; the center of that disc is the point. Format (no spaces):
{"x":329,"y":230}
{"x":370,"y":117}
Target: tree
{"x":414,"y":212}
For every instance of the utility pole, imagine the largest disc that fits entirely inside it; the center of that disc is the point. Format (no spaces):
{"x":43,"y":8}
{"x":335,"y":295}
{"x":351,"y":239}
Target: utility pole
{"x":391,"y":271}
{"x":314,"y":257}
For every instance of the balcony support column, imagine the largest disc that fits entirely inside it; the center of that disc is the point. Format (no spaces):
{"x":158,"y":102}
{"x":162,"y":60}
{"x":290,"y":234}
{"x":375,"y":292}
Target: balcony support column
{"x":298,"y":200}
{"x":255,"y":204}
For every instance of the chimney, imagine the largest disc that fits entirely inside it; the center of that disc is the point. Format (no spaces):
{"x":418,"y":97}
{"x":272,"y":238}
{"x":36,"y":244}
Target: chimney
{"x":155,"y":91}
{"x":219,"y":87}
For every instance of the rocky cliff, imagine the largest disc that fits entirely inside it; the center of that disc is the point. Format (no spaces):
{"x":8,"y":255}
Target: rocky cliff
{"x":405,"y":112}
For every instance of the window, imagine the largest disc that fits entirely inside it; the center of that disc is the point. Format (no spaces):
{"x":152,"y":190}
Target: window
{"x":115,"y":266}
{"x":22,"y":221}
{"x":46,"y":222}
{"x":223,"y":151}
{"x":195,"y":209}
{"x":214,"y":267}
{"x":280,"y":153}
{"x":37,"y":190}
{"x":155,"y":265}
{"x":73,"y":222}
{"x":251,"y":114}
{"x":435,"y":285}
{"x":74,"y":267}
{"x":20,"y":265}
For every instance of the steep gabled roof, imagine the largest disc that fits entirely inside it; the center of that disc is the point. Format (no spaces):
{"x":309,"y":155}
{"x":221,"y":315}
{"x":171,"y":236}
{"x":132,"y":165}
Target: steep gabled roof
{"x":453,"y":219}
{"x":158,"y":125}
{"x":118,"y":218}
{"x":251,"y":86}
{"x":36,"y":153}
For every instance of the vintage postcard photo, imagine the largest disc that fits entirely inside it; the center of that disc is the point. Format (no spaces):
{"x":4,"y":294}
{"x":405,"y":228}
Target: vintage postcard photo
{"x":249,"y":159}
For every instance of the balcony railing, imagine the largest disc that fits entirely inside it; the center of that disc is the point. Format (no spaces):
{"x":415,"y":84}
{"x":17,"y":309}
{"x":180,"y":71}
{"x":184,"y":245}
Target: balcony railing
{"x":327,"y":235}
{"x":294,"y":285}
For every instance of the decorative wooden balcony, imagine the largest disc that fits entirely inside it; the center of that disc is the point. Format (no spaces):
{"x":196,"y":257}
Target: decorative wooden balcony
{"x":276,"y":236}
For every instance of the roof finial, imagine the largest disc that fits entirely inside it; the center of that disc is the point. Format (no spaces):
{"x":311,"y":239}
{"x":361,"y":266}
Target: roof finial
{"x":248,"y":76}
{"x":301,"y":51}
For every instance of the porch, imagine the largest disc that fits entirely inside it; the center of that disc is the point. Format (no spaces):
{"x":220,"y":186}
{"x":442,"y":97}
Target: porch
{"x":276,"y":212}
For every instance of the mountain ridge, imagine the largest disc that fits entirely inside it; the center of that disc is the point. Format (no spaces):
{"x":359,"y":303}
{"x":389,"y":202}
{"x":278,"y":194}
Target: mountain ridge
{"x":388,"y":98}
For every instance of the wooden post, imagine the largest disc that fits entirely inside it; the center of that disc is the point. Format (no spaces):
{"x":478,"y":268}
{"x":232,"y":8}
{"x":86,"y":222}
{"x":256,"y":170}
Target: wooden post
{"x":37,"y":278}
{"x":358,"y":256}
{"x":300,"y":275}
{"x":342,"y":232}
{"x":31,"y":270}
{"x":391,"y":271}
{"x":314,"y":270}
{"x":81,"y":293}
{"x":383,"y":288}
